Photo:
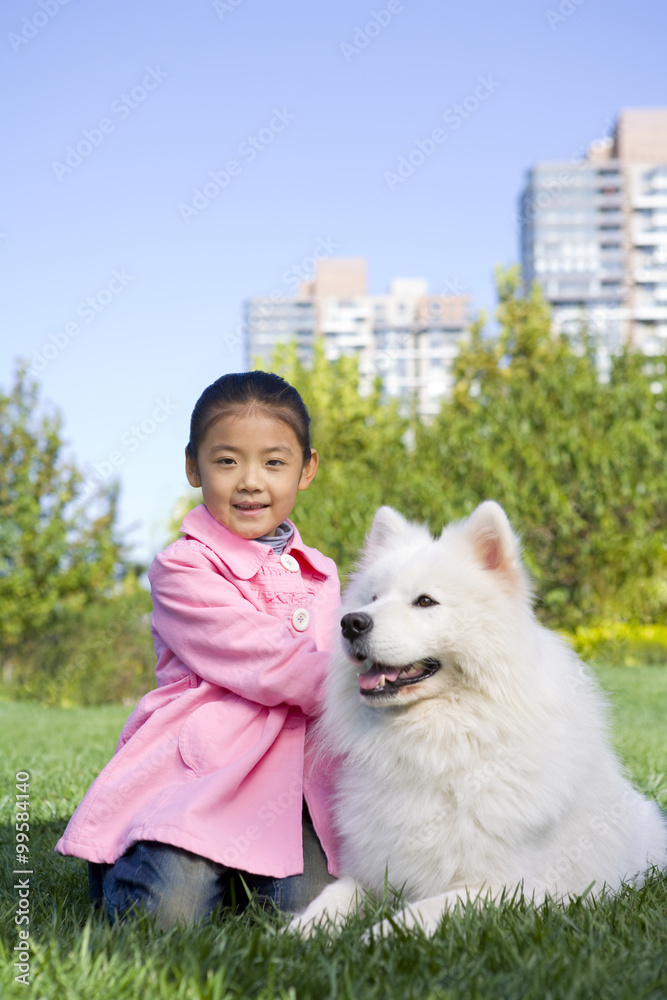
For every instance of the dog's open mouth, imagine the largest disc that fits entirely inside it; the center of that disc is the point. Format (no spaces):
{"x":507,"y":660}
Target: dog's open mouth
{"x":379,"y":679}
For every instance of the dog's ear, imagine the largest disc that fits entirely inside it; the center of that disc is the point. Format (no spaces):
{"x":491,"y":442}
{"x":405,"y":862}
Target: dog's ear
{"x":389,"y":529}
{"x":494,"y":541}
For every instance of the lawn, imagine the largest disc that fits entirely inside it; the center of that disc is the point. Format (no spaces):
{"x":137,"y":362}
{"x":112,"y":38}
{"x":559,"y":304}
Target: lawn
{"x":615,"y":949}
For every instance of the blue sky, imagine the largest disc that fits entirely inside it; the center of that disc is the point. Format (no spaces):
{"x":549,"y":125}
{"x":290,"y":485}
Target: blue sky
{"x":128,"y":303}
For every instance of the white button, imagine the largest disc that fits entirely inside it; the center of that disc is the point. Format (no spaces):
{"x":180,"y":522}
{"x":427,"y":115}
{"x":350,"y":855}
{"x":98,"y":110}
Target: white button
{"x":300,"y":619}
{"x":289,"y":562}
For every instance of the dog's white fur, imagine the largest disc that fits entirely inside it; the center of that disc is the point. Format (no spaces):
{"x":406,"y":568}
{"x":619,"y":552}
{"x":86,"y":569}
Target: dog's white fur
{"x":492,"y":776}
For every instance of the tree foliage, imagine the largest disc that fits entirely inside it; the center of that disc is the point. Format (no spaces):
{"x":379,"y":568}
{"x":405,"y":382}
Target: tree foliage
{"x":576,"y":461}
{"x":100,"y":654}
{"x":56,"y":556}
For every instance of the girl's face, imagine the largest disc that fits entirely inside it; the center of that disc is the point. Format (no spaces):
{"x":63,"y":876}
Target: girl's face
{"x":250,"y":466}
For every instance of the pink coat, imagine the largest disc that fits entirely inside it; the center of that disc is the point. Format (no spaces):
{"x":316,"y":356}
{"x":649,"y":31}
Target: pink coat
{"x":215,"y":759}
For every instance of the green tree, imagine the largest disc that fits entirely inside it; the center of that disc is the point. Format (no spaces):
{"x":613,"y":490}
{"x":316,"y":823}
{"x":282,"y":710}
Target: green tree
{"x":55,"y":556}
{"x":577,"y":462}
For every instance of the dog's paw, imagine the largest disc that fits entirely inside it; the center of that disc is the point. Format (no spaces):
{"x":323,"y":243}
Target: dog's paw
{"x":405,"y":920}
{"x":306,"y":924}
{"x":330,"y":909}
{"x":303,"y":927}
{"x":426,"y":915}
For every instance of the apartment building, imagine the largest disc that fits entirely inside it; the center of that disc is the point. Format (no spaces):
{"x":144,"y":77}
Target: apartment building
{"x":406,"y":336}
{"x":594,"y":234}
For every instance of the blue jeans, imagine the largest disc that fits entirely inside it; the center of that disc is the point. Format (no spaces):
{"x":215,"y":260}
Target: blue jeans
{"x":179,"y":887}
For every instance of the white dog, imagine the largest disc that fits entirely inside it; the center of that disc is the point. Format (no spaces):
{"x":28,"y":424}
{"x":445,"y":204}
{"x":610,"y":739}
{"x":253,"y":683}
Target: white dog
{"x":477,"y":760}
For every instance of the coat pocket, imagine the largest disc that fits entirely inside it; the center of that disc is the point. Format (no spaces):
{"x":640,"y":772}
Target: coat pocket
{"x":225,"y":733}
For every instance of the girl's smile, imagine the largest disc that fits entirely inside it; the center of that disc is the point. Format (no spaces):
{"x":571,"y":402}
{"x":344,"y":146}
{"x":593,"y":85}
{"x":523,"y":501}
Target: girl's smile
{"x":250,"y":467}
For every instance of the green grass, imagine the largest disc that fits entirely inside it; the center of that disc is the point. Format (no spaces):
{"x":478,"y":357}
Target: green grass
{"x":614,"y":949}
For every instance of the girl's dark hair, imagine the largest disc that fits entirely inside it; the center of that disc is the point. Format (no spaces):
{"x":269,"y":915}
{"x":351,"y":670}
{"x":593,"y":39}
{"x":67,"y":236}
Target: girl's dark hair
{"x":246,"y":390}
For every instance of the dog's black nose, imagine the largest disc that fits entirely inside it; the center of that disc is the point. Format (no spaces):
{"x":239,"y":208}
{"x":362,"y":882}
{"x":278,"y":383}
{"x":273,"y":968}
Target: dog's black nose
{"x":355,"y":623}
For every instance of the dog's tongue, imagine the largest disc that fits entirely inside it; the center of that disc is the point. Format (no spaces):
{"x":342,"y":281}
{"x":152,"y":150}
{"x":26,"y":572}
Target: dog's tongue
{"x":375,"y":677}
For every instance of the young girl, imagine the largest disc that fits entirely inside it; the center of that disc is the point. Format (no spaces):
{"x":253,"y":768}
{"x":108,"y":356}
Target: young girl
{"x":212,"y":775}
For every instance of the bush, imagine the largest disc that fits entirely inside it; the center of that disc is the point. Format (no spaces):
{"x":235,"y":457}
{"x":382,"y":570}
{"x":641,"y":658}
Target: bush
{"x":619,"y":644}
{"x":100,"y":655}
{"x":576,"y":461}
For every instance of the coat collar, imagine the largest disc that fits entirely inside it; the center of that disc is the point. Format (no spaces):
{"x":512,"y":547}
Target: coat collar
{"x":243,"y":556}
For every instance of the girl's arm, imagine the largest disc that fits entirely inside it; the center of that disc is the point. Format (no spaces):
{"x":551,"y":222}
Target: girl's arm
{"x":223,"y":639}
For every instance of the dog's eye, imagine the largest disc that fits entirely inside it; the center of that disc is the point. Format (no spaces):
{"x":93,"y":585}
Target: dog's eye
{"x":374,"y":597}
{"x":424,"y":602}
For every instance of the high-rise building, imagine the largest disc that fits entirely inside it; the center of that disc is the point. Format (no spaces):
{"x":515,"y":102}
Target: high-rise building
{"x":594,"y":235}
{"x":407,"y":336}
